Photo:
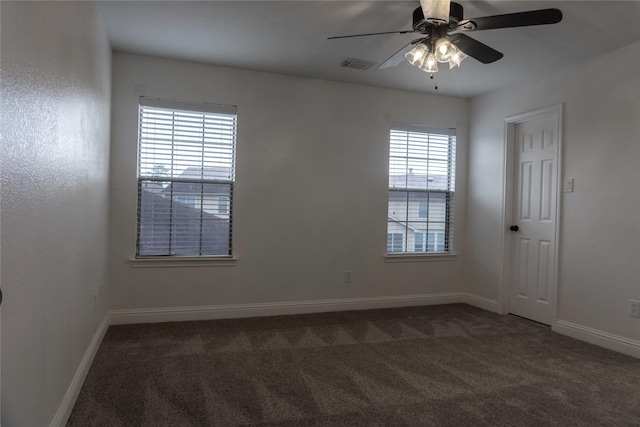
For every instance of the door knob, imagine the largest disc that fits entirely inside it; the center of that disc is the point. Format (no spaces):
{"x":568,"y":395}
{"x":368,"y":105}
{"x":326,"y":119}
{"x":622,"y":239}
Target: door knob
{"x":514,"y":228}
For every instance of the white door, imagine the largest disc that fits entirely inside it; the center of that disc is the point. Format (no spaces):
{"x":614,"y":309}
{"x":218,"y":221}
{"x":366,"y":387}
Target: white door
{"x":533,"y":228}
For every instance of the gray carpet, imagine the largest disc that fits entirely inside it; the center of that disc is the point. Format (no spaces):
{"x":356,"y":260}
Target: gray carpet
{"x":438,"y":365}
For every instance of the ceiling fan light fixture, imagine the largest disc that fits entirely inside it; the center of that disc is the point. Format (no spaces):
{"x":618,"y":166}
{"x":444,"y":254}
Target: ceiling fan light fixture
{"x":442,"y":25}
{"x":436,"y":11}
{"x":417,"y":55}
{"x":430,"y":64}
{"x":444,"y":50}
{"x":426,"y":56}
{"x":456,"y":58}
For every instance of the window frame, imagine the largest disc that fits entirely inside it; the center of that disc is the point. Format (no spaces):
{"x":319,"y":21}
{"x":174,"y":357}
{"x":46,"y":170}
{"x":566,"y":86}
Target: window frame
{"x":447,"y":252}
{"x":177,"y":259}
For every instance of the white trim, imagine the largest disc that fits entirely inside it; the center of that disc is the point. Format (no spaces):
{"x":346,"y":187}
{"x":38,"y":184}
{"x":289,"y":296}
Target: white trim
{"x":535,"y":114}
{"x":228,"y":311}
{"x":198,"y":107}
{"x":66,"y":406}
{"x":482,"y":302}
{"x":507,"y":204}
{"x":407,"y":127}
{"x":180,"y":261}
{"x":420,"y":257}
{"x":507,"y":214}
{"x":400,"y":222}
{"x":600,"y":338}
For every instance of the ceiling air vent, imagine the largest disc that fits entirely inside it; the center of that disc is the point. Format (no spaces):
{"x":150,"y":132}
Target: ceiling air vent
{"x":357,"y":64}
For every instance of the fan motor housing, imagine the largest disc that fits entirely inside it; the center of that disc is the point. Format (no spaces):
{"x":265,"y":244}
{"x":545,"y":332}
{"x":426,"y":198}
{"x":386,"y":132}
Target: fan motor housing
{"x":455,"y":15}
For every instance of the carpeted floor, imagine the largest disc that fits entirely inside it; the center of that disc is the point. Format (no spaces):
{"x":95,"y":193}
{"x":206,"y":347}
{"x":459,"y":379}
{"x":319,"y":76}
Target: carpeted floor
{"x":449,"y":365}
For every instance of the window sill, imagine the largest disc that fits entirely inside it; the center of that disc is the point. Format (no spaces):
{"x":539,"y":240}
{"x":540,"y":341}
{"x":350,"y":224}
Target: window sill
{"x":178,"y":261}
{"x":420,"y":257}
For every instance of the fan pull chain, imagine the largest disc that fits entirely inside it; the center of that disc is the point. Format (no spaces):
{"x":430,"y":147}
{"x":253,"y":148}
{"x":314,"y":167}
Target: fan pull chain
{"x":436,"y":81}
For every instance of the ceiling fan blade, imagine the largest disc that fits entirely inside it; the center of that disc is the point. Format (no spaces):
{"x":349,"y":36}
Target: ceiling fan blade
{"x":372,"y":34}
{"x":398,"y":57}
{"x":509,"y":20}
{"x":475,"y":49}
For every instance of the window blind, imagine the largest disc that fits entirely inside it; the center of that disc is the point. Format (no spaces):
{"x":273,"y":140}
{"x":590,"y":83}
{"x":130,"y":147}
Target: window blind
{"x":421,"y":188}
{"x":186,"y":174}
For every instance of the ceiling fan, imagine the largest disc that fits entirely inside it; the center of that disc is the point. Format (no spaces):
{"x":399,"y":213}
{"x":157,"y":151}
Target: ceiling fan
{"x":442,"y":24}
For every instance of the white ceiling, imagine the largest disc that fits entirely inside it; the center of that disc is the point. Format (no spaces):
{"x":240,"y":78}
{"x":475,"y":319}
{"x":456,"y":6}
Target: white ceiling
{"x":290,"y":37}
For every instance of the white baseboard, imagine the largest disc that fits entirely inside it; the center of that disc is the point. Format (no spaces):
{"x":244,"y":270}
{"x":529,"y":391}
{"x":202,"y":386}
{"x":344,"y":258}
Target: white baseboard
{"x":229,"y":311}
{"x":603,"y":339}
{"x":64,"y":410}
{"x":482,"y":302}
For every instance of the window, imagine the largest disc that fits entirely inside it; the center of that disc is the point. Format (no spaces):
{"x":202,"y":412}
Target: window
{"x":421,"y":188}
{"x":435,"y":242}
{"x":186,"y":166}
{"x":223,"y":205}
{"x":394,"y":242}
{"x":187,"y":200}
{"x":419,"y":243}
{"x":422,"y":209}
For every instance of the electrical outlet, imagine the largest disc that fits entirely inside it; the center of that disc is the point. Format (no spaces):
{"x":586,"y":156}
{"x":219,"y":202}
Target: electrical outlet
{"x":347,"y":276}
{"x":634,"y":308}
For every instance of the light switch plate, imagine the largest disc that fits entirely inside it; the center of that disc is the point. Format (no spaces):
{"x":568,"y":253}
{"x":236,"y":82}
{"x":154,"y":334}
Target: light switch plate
{"x":568,"y":185}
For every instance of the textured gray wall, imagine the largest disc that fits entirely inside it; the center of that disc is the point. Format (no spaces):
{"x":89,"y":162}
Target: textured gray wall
{"x":56,"y":83}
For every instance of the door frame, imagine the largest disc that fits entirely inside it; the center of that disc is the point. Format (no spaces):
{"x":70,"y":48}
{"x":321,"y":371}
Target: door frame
{"x":509,"y":145}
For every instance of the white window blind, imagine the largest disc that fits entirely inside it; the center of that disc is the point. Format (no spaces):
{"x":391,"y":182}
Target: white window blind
{"x":421,"y":188}
{"x":186,"y":167}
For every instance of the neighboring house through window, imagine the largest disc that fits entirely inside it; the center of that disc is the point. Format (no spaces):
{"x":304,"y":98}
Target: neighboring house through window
{"x":394,"y":242}
{"x":433,"y":243}
{"x":186,"y":175}
{"x":223,"y":205}
{"x":419,"y":242}
{"x":422,"y":209}
{"x":421,"y":189}
{"x":187,"y":200}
